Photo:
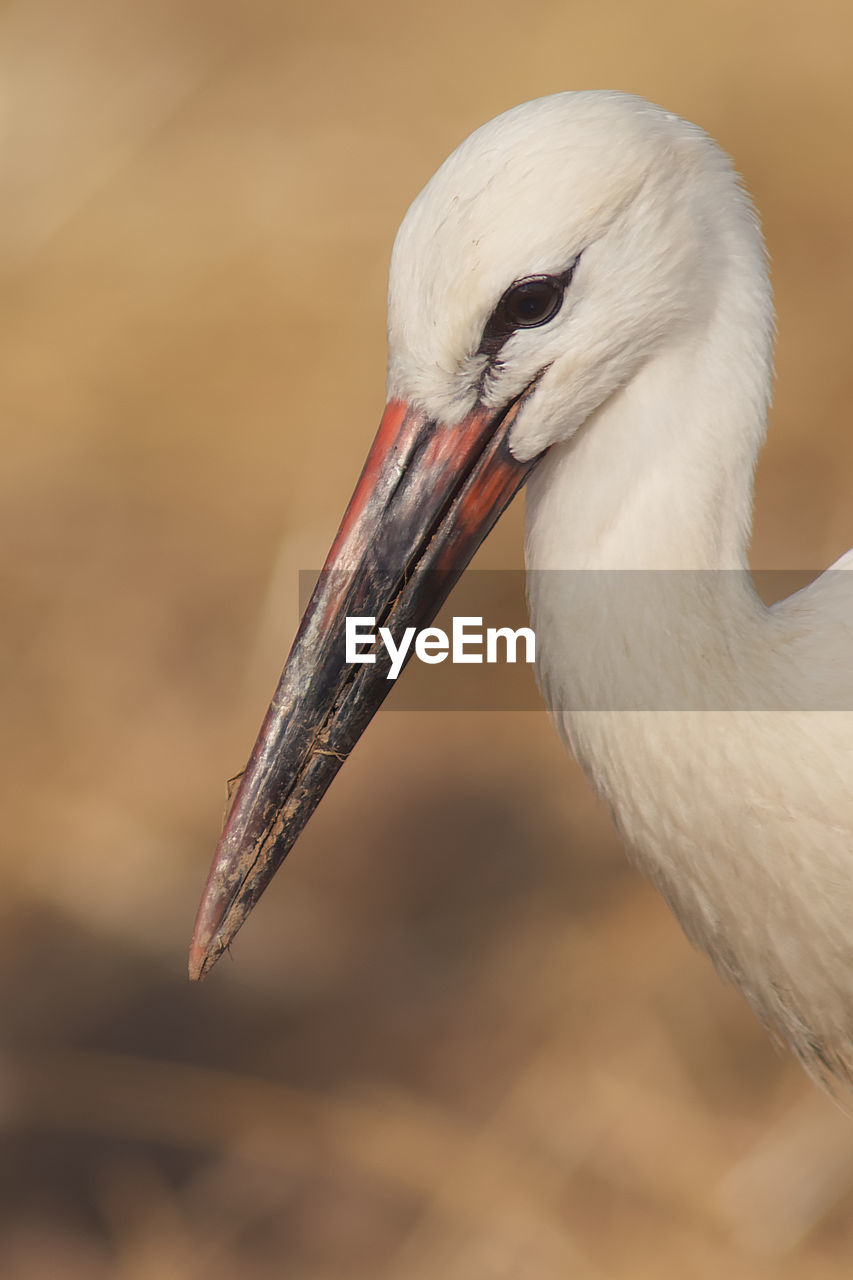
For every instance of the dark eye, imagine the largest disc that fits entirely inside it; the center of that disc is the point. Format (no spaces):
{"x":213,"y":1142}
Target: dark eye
{"x":531,"y":302}
{"x":525,"y":305}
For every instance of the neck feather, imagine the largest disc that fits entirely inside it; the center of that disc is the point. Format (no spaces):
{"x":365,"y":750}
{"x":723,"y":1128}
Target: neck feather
{"x":659,"y":479}
{"x":661,"y":475}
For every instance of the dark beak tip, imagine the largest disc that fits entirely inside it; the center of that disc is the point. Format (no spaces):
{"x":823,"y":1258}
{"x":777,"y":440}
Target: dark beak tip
{"x":209,"y":938}
{"x":203,"y":954}
{"x":198,"y":963}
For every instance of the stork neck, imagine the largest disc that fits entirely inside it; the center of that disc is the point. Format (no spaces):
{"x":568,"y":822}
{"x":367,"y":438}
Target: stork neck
{"x":659,"y":479}
{"x":661,"y":476}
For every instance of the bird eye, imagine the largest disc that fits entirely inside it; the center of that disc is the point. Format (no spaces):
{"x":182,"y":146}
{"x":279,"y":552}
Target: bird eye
{"x":525,"y":305}
{"x":531,"y":302}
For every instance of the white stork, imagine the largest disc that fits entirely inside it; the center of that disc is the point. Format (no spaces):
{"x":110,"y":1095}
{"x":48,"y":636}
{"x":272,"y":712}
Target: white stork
{"x":579,"y":300}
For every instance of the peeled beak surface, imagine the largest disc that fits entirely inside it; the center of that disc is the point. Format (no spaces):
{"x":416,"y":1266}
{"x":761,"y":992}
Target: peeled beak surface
{"x":428,"y":495}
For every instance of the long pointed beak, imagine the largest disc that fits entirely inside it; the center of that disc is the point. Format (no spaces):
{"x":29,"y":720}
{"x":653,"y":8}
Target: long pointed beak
{"x":428,"y":496}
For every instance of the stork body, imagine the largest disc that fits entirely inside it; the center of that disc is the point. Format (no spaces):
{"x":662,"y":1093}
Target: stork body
{"x":731,"y":780}
{"x":579,"y":296}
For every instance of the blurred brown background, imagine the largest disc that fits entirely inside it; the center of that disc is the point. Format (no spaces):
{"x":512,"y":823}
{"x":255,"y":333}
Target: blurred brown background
{"x":459,"y":1037}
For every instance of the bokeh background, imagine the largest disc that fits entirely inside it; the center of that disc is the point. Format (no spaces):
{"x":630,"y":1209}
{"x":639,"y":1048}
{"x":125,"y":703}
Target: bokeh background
{"x":459,"y":1037}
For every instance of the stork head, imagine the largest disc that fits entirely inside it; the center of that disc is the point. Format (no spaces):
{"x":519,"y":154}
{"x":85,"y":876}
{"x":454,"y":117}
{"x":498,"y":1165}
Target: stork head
{"x":556,"y":249}
{"x":549,"y":257}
